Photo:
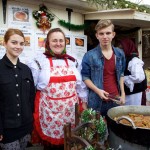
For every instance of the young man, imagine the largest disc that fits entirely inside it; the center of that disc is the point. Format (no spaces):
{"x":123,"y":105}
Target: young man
{"x":103,"y":70}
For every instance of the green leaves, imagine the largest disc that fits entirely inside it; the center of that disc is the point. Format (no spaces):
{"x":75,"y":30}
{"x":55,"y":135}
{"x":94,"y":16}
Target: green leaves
{"x":89,"y":115}
{"x":42,"y":10}
{"x":71,"y":26}
{"x":119,"y":4}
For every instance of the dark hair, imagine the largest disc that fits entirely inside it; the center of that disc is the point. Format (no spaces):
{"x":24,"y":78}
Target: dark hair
{"x":11,"y":32}
{"x":103,"y":24}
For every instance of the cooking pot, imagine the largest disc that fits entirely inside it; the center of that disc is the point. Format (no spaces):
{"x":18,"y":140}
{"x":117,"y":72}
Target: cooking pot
{"x":131,"y":134}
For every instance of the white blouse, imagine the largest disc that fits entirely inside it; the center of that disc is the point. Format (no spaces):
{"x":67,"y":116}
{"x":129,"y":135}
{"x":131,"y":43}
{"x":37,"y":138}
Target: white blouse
{"x":135,"y":66}
{"x":41,"y":74}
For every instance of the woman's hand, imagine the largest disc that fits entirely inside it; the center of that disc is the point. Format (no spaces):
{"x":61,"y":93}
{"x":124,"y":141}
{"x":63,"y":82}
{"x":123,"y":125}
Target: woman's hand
{"x":1,"y":137}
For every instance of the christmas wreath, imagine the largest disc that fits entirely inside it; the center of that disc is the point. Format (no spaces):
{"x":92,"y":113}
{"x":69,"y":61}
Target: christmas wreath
{"x":43,"y":17}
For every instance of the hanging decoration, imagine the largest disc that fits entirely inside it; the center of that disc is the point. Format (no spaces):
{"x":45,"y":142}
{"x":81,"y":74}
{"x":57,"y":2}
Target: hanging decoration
{"x":43,"y":18}
{"x":119,"y":4}
{"x":71,"y":26}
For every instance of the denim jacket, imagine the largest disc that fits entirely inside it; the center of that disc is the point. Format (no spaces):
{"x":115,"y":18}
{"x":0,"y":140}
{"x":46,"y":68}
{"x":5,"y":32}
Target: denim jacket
{"x":92,"y":68}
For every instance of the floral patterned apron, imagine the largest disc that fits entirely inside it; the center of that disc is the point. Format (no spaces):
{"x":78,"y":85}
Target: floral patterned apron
{"x":55,"y":105}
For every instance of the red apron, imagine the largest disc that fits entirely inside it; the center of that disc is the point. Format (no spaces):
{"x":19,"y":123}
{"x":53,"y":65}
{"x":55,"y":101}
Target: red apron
{"x":55,"y":105}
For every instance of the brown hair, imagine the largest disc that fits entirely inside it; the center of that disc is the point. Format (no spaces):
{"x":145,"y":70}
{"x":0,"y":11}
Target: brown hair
{"x":11,"y":32}
{"x":55,"y":30}
{"x":48,"y":35}
{"x":103,"y":24}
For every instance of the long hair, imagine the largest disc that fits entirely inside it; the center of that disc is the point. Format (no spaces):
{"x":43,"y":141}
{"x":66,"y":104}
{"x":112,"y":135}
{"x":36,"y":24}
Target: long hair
{"x":11,"y":32}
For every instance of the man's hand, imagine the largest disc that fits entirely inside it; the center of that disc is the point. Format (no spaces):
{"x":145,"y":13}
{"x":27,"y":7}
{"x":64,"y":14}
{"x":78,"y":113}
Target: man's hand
{"x":103,"y":94}
{"x":122,"y":99}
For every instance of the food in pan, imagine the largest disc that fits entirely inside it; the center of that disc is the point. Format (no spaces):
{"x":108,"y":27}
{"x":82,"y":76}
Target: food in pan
{"x":138,"y":119}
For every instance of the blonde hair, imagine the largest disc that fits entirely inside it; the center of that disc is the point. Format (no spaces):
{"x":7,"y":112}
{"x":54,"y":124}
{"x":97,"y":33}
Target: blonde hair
{"x":11,"y":32}
{"x":103,"y":24}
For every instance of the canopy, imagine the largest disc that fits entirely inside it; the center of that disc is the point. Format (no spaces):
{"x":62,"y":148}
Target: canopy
{"x":123,"y":17}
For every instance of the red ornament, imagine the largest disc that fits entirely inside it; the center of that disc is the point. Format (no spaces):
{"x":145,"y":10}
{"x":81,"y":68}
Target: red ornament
{"x":43,"y":23}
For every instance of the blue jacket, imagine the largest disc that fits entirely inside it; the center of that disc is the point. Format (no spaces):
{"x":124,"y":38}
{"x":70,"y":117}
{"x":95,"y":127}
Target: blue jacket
{"x":92,"y":68}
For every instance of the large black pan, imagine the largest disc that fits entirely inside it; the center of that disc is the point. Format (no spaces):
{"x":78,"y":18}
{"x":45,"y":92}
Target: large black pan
{"x":137,"y":135}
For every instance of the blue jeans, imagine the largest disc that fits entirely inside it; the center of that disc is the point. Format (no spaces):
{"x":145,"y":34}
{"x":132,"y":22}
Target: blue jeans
{"x":106,"y":106}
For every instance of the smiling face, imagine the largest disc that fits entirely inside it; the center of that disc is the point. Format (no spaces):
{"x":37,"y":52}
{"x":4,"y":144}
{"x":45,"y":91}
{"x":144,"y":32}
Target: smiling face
{"x":56,"y":42}
{"x":14,"y":46}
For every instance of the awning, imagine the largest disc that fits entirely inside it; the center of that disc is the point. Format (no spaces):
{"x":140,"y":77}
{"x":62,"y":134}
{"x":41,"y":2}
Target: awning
{"x":123,"y":17}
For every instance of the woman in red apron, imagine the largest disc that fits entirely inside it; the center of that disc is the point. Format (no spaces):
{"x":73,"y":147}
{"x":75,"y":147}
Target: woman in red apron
{"x":59,"y":86}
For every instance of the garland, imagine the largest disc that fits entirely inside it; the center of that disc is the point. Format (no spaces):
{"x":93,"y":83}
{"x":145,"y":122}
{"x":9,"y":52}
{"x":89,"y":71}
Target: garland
{"x":72,"y":26}
{"x":44,"y":19}
{"x":111,"y":4}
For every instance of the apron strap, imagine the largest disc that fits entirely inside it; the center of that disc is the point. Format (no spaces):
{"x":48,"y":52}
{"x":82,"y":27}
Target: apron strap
{"x":51,"y":62}
{"x":66,"y":62}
